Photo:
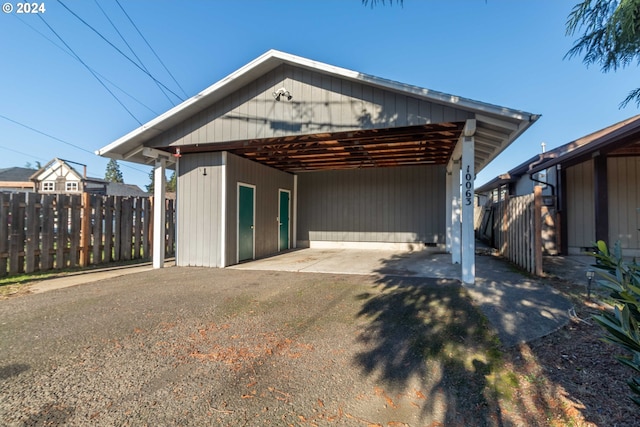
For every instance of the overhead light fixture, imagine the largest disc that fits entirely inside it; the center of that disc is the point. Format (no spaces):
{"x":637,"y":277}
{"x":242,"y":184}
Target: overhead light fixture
{"x":282,"y":92}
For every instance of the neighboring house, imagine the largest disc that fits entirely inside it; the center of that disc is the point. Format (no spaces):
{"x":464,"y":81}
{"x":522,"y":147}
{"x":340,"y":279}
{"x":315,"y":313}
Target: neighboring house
{"x":592,"y":188}
{"x":59,"y":177}
{"x":16,"y":179}
{"x":289,"y":152}
{"x":106,"y":188}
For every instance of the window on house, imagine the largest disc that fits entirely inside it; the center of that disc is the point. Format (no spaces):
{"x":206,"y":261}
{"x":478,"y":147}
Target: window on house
{"x":71,"y":186}
{"x":48,"y":186}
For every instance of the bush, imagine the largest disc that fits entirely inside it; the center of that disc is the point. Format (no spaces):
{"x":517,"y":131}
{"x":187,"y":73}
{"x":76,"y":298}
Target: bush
{"x":622,"y":279}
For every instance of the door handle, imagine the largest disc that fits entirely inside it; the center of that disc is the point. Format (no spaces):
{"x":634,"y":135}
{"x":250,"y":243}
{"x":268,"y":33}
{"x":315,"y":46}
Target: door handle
{"x":252,"y":227}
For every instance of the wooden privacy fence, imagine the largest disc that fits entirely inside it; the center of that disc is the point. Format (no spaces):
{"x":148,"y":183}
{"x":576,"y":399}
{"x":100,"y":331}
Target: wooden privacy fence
{"x":514,"y":227}
{"x":40,"y":232}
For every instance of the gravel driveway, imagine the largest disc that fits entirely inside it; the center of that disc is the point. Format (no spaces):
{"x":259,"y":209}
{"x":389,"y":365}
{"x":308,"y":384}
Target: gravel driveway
{"x":198,"y":346}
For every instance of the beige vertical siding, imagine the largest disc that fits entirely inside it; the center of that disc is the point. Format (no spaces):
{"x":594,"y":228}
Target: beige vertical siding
{"x":267,"y":182}
{"x":320,"y":104}
{"x":390,"y":205}
{"x":624,"y":200}
{"x":199,"y":210}
{"x":581,"y":223}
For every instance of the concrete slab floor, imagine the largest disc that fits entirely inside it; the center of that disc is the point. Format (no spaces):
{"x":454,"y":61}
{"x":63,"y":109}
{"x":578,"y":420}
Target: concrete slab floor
{"x":359,"y":261}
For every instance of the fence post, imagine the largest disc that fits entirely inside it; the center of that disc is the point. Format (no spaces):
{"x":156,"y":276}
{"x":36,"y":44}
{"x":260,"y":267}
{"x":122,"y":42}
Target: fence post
{"x":48,"y":226}
{"x":33,"y":231}
{"x":504,"y":242}
{"x":17,"y":239}
{"x":85,"y":230}
{"x":74,"y":235}
{"x":537,"y":229}
{"x":98,"y":229}
{"x":4,"y":233}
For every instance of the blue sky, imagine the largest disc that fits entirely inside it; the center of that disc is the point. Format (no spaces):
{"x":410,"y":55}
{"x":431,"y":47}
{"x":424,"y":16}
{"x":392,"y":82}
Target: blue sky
{"x":504,"y":52}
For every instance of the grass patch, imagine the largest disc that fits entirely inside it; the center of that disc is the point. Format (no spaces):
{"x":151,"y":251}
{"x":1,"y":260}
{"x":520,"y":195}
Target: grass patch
{"x":19,"y":283}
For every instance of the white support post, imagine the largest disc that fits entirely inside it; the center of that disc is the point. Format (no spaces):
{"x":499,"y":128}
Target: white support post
{"x":456,"y":257}
{"x":223,"y":212}
{"x":448,"y":208}
{"x":468,"y":238}
{"x":159,"y":217}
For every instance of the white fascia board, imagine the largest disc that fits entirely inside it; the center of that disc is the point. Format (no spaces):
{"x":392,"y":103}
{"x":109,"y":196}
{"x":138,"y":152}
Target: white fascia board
{"x":154,"y":124}
{"x":427,"y":94}
{"x":274,"y":58}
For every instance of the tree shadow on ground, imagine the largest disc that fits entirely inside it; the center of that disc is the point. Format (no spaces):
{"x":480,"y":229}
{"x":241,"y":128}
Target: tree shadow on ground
{"x":427,"y":330}
{"x":12,"y":370}
{"x":436,"y":333}
{"x":51,"y":414}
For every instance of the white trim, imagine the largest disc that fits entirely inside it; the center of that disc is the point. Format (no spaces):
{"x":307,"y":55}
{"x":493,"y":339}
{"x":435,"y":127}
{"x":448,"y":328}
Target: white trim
{"x":456,"y":255}
{"x":243,"y":184}
{"x":159,"y":220}
{"x":272,"y":59}
{"x":223,"y":211}
{"x":177,"y":212}
{"x":282,"y":190}
{"x":152,"y":153}
{"x":468,"y":205}
{"x":48,"y":190}
{"x":71,"y":186}
{"x":408,"y":246}
{"x":448,"y":207}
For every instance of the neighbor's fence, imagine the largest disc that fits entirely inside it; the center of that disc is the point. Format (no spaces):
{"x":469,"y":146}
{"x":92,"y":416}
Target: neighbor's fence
{"x":40,"y":232}
{"x":514,"y":227}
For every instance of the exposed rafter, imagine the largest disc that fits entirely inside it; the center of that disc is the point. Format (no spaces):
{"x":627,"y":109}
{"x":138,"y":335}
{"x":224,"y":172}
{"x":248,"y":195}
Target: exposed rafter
{"x":411,"y":145}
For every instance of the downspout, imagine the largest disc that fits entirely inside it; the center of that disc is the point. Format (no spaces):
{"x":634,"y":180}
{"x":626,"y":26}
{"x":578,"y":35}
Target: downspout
{"x":553,"y":188}
{"x":555,"y":199}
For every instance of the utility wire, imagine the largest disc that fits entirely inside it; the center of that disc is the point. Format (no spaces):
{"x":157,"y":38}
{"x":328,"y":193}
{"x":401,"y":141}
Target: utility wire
{"x":71,"y":55}
{"x":119,"y":51}
{"x":45,"y":134}
{"x":59,"y":140}
{"x":31,"y":156}
{"x":90,"y":70}
{"x":152,"y":50}
{"x":131,"y":49}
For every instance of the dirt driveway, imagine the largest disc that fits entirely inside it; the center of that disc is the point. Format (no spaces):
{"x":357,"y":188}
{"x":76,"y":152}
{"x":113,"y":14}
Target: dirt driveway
{"x":197,"y":346}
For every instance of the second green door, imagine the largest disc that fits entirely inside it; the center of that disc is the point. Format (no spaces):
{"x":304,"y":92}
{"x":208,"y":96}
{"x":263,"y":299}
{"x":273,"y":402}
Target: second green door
{"x":246,"y":222}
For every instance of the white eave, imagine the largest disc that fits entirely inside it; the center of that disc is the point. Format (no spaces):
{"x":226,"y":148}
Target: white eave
{"x":506,"y":121}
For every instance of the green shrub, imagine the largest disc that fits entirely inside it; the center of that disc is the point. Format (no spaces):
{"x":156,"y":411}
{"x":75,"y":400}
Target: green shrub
{"x":622,"y":279}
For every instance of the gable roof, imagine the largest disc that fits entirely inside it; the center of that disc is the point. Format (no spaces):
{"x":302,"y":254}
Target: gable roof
{"x":52,"y":166}
{"x":16,"y":174}
{"x":605,"y":140}
{"x":496,"y":128}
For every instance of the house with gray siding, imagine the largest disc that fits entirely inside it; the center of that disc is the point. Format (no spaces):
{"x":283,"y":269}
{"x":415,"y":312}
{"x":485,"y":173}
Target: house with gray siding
{"x":591,"y":187}
{"x":58,"y":176}
{"x":288,"y":152}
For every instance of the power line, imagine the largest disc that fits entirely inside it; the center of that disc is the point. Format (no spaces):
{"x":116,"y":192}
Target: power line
{"x":59,"y":140}
{"x":31,"y":156}
{"x":90,"y":70}
{"x":119,"y":51}
{"x":131,"y":49}
{"x":152,"y":50}
{"x":45,"y":134}
{"x":71,"y":55}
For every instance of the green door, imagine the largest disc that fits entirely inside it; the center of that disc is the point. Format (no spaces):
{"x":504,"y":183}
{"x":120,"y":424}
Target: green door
{"x":284,"y":220}
{"x":245,"y":222}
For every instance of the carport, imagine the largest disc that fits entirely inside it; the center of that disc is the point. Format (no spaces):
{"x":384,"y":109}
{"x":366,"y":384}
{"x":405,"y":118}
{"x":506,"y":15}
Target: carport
{"x":289,"y":152}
